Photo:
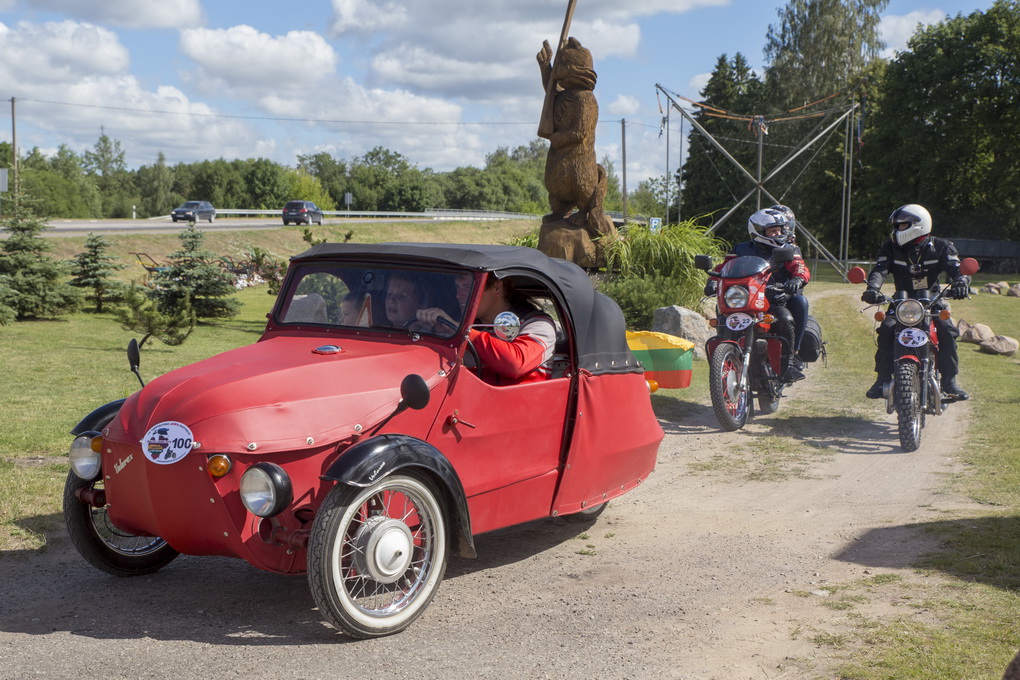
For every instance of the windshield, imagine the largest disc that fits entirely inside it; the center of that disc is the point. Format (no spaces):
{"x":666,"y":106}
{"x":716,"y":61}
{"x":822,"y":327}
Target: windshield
{"x":190,"y":204}
{"x":374,"y":297}
{"x":747,"y":265}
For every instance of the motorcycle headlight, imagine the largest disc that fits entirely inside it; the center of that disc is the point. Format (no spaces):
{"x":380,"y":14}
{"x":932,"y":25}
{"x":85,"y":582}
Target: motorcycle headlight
{"x":84,"y":455}
{"x":265,"y":489}
{"x":910,"y":312}
{"x":735,"y":296}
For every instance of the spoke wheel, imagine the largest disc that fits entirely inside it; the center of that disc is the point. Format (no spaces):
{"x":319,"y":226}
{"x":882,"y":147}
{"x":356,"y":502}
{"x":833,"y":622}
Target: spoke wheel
{"x":376,"y":555}
{"x":102,"y":544}
{"x":908,"y":405}
{"x":728,"y":400}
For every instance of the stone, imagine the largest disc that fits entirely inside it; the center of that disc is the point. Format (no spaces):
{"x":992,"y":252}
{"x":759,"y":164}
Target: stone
{"x":683,"y":323}
{"x":1000,"y":344}
{"x":976,"y":333}
{"x":1014,"y":290}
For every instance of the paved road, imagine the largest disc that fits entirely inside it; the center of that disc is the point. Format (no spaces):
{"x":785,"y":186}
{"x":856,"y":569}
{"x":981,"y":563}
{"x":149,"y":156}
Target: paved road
{"x":163,"y":225}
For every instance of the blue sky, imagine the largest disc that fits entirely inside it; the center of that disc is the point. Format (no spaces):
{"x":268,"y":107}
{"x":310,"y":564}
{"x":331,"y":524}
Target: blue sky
{"x":443,"y":82}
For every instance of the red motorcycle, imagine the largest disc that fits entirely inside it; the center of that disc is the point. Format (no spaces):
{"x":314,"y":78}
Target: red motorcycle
{"x":915,"y":388}
{"x":746,"y":359}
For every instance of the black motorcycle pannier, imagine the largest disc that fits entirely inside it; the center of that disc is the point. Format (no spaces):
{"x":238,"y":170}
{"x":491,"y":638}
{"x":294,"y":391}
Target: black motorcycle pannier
{"x":811,"y":345}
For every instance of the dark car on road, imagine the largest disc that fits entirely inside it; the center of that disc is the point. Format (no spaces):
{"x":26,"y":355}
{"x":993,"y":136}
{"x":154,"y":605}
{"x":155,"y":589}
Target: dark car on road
{"x":301,"y":212}
{"x":193,"y":211}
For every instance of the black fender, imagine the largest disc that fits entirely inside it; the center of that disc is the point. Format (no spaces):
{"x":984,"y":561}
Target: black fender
{"x":98,"y":418}
{"x":366,"y":462}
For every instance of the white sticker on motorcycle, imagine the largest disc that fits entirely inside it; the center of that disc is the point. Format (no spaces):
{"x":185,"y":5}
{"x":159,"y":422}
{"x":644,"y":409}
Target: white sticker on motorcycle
{"x":913,"y":337}
{"x":168,"y":442}
{"x":738,"y":322}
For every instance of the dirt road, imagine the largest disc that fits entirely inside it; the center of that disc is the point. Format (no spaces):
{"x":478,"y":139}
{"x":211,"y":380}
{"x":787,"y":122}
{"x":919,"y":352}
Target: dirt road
{"x":702,"y":573}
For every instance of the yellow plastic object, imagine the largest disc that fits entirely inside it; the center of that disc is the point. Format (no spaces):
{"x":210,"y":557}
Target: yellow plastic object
{"x":218,"y":465}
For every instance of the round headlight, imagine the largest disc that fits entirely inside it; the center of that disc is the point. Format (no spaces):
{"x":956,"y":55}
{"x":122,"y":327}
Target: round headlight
{"x":910,"y":312}
{"x":735,"y":296}
{"x":265,"y":489}
{"x":86,"y":461}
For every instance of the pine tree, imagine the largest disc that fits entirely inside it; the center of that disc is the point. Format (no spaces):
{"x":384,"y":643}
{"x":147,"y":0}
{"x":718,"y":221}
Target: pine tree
{"x":92,"y":270}
{"x":141,"y":315}
{"x":193,"y":278}
{"x":31,"y":282}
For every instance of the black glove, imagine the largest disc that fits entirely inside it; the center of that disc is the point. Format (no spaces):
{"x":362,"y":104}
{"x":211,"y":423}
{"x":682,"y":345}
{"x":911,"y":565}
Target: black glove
{"x":959,"y":289}
{"x":872,"y":296}
{"x":776,"y":298}
{"x":711,"y":286}
{"x":793,"y":286}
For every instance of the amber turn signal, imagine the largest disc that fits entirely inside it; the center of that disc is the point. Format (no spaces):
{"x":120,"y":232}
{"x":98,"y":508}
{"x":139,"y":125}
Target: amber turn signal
{"x":96,"y":444}
{"x":218,"y":465}
{"x":713,"y":322}
{"x":879,"y":316}
{"x":653,"y":385}
{"x":944,"y":315}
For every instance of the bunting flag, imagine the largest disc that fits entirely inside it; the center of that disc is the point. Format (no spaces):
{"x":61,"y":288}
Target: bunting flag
{"x":667,"y":359}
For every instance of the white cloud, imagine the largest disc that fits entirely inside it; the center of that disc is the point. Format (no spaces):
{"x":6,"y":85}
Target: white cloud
{"x":85,"y":69}
{"x":624,"y":105}
{"x":131,"y":13}
{"x":57,"y":52}
{"x":367,"y":16}
{"x":699,"y":82}
{"x":897,"y":30}
{"x":244,"y":58}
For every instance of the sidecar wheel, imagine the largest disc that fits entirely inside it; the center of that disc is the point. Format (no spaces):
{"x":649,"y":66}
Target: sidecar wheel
{"x":376,"y":555}
{"x":767,"y":404}
{"x":588,"y":514}
{"x":908,"y":405}
{"x":102,"y":544}
{"x":728,"y":400}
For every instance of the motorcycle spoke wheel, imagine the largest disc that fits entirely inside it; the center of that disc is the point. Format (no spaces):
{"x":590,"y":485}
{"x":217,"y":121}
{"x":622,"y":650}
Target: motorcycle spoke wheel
{"x":728,"y":400}
{"x":105,"y":546}
{"x":909,"y":416}
{"x":376,"y":555}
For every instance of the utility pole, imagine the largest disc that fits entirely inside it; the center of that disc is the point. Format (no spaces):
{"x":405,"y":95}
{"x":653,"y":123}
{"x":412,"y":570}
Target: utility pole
{"x":667,"y":166}
{"x":623,"y":146}
{"x":14,"y":149}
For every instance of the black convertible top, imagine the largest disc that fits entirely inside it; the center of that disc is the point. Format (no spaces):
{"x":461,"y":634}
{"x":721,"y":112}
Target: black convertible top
{"x":597,"y":324}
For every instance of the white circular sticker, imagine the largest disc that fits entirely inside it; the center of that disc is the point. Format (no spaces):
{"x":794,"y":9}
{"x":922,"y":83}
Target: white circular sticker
{"x":168,"y":442}
{"x":913,"y":337}
{"x":738,"y":321}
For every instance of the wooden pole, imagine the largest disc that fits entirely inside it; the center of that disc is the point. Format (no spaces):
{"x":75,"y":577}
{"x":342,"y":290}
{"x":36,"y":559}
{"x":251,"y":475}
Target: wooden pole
{"x":545,"y":123}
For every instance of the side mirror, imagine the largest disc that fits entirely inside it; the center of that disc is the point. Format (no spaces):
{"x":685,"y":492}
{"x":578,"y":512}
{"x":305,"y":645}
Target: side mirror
{"x":856,"y":275}
{"x":414,"y":392}
{"x":135,"y":359}
{"x":702,"y":262}
{"x":969,"y":266}
{"x":506,"y":326}
{"x":782,"y":256}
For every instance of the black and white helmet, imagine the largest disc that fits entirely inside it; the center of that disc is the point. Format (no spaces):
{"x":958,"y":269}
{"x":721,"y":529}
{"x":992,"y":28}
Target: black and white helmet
{"x":790,"y":217}
{"x":917,"y":219}
{"x":764,"y":219}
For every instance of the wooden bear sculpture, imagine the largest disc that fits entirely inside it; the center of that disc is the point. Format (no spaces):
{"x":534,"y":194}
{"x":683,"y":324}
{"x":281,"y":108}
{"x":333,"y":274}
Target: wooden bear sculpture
{"x":575,"y":181}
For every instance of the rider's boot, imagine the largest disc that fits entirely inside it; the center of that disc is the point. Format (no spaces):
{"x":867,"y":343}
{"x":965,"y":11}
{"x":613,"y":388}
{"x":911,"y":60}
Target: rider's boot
{"x":877,"y":391}
{"x":951,"y":389}
{"x":794,"y":370}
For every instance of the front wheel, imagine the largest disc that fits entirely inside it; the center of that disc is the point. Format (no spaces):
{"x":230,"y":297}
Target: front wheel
{"x":908,"y":405}
{"x":729,"y":401}
{"x":376,"y":555}
{"x":102,"y":544}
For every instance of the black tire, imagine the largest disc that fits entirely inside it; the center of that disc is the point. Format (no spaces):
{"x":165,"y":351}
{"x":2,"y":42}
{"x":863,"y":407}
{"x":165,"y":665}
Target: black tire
{"x":589,"y":514}
{"x":285,"y":223}
{"x":729,"y":402}
{"x":102,"y":544}
{"x":211,"y":218}
{"x":909,"y":415}
{"x":173,"y":219}
{"x":376,"y":555}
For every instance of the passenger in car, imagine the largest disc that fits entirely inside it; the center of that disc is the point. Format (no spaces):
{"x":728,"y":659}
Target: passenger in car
{"x":354,"y":311}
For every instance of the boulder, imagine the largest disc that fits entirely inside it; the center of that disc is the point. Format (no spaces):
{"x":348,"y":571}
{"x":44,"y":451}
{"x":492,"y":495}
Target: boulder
{"x":1014,"y":290}
{"x":1000,"y":344}
{"x":992,"y":288}
{"x":976,"y":333}
{"x":683,"y":323}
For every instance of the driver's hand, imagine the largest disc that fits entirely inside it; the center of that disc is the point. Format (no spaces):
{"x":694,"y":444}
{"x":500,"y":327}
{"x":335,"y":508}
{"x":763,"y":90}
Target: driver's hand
{"x":960,"y":289}
{"x":872,"y":296}
{"x":433,"y":315}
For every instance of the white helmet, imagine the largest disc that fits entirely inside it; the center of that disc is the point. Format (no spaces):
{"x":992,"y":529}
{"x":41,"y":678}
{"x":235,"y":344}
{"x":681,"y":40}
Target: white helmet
{"x":758,"y":222}
{"x":914,"y":215}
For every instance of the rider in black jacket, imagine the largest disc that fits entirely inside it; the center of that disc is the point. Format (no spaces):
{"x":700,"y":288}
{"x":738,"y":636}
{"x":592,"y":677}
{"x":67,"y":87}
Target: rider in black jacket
{"x":769,"y":229}
{"x":915,"y":259}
